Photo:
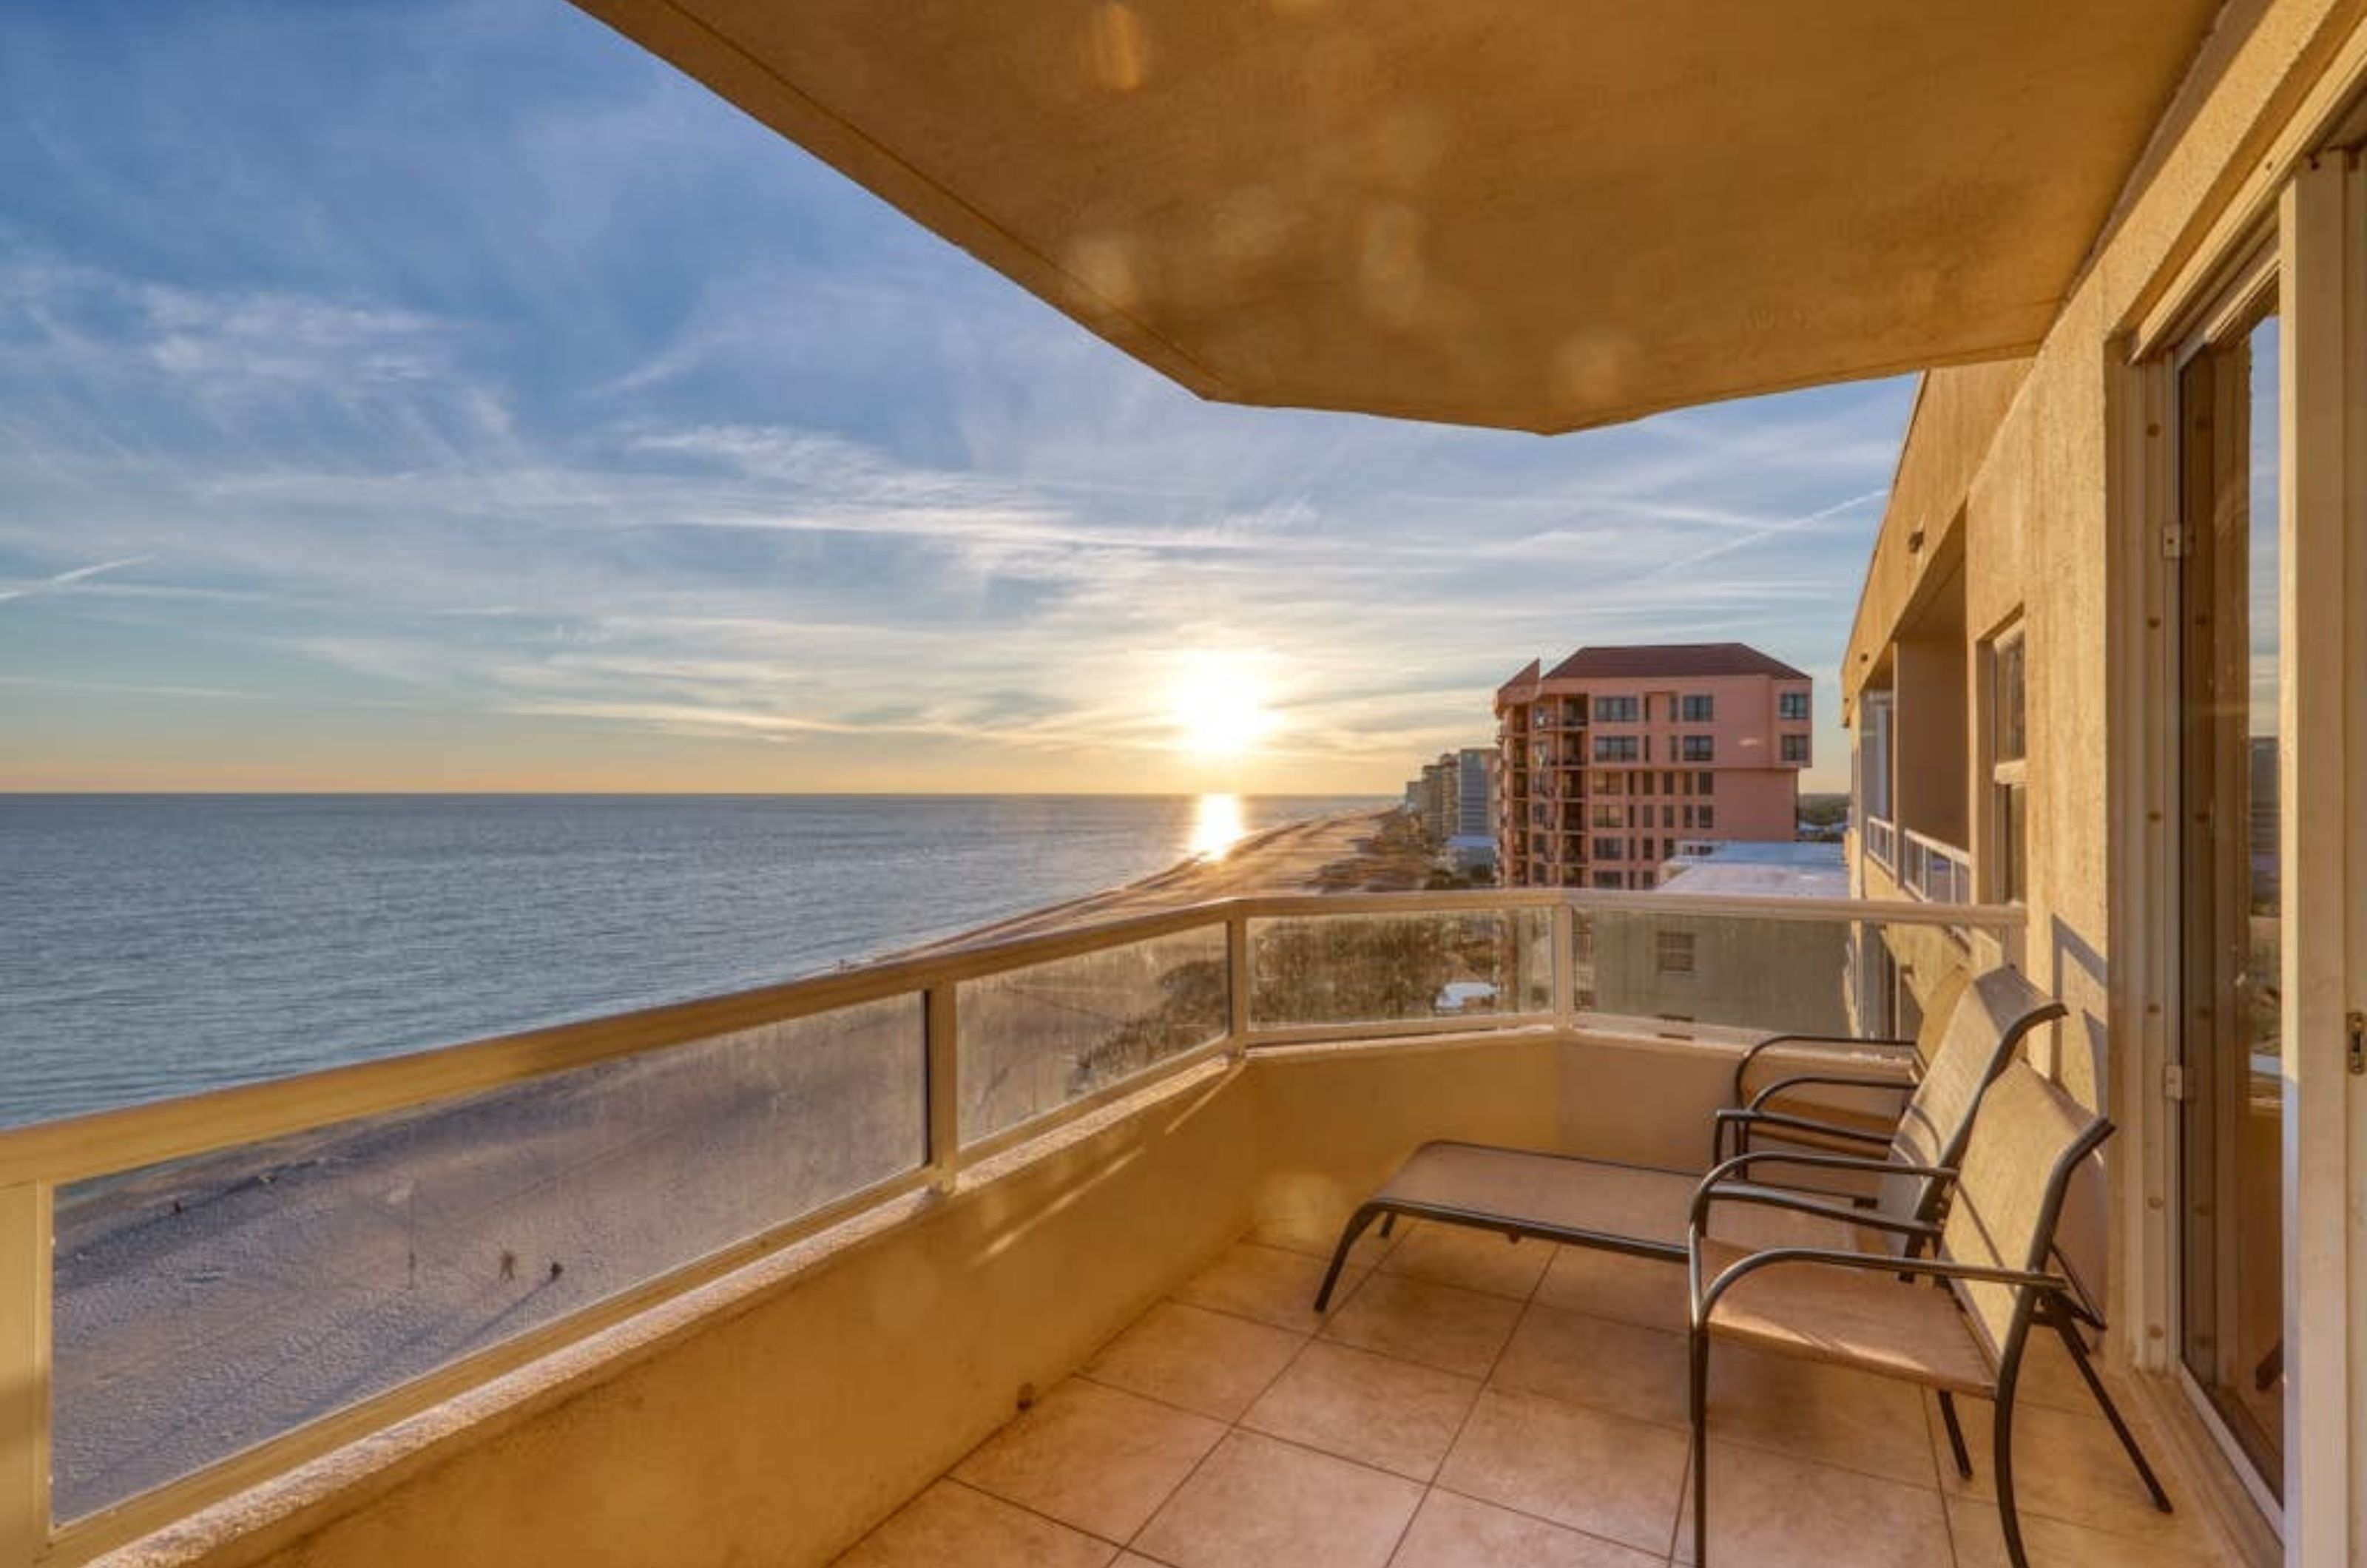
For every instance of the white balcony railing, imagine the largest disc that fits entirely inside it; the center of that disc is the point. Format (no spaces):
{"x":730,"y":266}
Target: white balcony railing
{"x":416,"y":1226}
{"x":1882,"y":842}
{"x":1932,"y":871}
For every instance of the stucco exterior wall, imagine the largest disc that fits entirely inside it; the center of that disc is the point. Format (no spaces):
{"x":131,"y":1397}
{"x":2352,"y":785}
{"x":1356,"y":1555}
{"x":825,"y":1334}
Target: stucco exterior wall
{"x":2022,"y":449}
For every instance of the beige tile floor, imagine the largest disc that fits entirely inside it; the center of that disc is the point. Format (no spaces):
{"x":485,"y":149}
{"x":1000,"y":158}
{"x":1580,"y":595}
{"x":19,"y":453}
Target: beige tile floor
{"x":1469,"y":1401}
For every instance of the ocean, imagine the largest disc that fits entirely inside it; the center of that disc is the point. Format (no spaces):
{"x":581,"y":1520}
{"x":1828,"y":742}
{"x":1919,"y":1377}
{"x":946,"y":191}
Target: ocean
{"x":157,"y":945}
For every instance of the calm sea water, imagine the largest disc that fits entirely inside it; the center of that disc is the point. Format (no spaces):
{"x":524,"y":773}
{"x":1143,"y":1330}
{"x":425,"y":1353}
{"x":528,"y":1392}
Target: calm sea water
{"x":157,"y":945}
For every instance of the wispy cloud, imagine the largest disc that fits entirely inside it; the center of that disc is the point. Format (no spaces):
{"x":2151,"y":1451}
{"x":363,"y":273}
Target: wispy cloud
{"x":566,"y":396}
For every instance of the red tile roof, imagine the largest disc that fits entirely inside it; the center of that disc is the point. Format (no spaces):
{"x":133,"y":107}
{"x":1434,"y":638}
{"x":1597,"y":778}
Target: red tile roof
{"x":1526,"y":678}
{"x":1671,"y":659}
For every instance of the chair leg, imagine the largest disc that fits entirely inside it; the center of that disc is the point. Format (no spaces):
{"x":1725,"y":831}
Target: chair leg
{"x":1388,"y":1224}
{"x":2079,"y":1349}
{"x":2008,"y":1519}
{"x":1698,"y":1408}
{"x":1348,"y":1234}
{"x":1956,"y":1435}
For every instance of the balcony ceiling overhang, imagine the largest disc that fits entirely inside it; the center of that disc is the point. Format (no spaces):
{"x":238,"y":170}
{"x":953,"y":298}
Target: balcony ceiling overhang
{"x":1537,"y":214}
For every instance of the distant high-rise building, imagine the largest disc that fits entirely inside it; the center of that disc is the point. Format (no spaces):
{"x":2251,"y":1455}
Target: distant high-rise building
{"x":1454,"y":797}
{"x":1617,"y":755}
{"x":1474,"y":793}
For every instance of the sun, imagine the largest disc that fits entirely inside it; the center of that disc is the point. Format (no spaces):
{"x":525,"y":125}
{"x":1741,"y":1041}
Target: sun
{"x":1218,"y":706}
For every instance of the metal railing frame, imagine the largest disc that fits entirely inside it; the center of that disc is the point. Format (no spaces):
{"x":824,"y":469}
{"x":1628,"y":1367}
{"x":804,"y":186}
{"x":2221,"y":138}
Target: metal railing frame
{"x":37,"y":1160}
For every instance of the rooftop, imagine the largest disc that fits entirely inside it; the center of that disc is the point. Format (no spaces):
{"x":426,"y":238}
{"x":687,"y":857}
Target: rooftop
{"x":1650,"y":661}
{"x":1766,"y":869}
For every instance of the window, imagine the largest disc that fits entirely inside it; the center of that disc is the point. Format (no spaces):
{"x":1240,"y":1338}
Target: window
{"x":1673,"y":952}
{"x":1608,"y":879}
{"x":1640,"y":783}
{"x":1609,"y":849}
{"x":1668,"y":816}
{"x":1708,"y":816}
{"x":1705,"y":784}
{"x":2005,"y":703}
{"x":1616,"y":710}
{"x":1689,"y":817}
{"x":1615,"y":748}
{"x":1791,"y":704}
{"x":2009,"y":799}
{"x":1669,"y":783}
{"x":1608,"y":817}
{"x":1874,"y":756}
{"x":1608,"y":784}
{"x":1697,"y":748}
{"x":1795,"y":748}
{"x":1697,"y":710}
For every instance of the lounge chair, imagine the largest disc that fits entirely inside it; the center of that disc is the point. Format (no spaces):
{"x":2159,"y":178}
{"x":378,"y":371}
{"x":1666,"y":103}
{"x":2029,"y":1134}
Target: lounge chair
{"x":1643,"y":1209}
{"x":1880,"y":1312}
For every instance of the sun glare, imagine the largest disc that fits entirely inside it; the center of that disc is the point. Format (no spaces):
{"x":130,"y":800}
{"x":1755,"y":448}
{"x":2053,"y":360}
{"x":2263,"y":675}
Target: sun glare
{"x":1217,"y":826}
{"x":1219,"y":708}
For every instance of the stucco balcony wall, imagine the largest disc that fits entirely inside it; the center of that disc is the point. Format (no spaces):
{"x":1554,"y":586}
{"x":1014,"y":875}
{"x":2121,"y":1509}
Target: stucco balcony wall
{"x":777,"y":1414}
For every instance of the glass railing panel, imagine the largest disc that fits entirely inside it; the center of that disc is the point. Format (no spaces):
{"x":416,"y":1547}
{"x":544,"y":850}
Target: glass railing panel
{"x":207,"y":1305}
{"x":1674,"y":972}
{"x":1533,"y":961}
{"x":1348,"y":969}
{"x":1035,"y":1038}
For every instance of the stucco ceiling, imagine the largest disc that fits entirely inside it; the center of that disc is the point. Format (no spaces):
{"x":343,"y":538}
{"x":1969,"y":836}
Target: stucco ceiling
{"x":1541,"y":214}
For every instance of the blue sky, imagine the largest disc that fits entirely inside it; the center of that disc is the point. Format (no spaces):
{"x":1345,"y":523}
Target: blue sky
{"x":417,"y":395}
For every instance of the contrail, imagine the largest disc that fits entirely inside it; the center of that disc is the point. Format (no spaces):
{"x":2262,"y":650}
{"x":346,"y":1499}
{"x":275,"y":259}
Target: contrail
{"x":67,"y":579}
{"x":1727,"y":547}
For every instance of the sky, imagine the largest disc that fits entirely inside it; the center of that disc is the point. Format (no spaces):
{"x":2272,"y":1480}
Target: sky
{"x":432,"y":395}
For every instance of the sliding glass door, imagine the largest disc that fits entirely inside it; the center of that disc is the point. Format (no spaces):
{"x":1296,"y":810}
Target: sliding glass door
{"x":2234,"y":1105}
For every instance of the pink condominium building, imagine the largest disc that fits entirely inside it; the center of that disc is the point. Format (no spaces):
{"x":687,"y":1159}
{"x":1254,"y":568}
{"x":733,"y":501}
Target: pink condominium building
{"x":1617,"y":755}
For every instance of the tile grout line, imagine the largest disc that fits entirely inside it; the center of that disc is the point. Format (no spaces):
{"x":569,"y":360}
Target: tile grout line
{"x":1934,"y":1438}
{"x":1232,"y":1427}
{"x":950,"y":1479}
{"x":1486,"y":1378}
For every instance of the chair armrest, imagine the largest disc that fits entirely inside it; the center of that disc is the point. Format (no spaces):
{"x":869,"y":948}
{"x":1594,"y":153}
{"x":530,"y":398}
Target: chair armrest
{"x":1838,"y":1080}
{"x":1728,"y":1169}
{"x":1705,"y":1301}
{"x":1743,"y":1120}
{"x":1800,"y":1203}
{"x":1849,"y":1042}
{"x":2082,"y":1304}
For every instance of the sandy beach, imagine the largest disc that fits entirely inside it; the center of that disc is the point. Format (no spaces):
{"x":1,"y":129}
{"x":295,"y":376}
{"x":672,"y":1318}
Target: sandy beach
{"x":204,"y":1307}
{"x":1336,"y":854}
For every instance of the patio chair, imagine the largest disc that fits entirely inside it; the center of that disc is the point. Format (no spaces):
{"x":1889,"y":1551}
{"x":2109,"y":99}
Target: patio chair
{"x":1777,"y":1076}
{"x":1643,"y":1209}
{"x":1881,"y":1313}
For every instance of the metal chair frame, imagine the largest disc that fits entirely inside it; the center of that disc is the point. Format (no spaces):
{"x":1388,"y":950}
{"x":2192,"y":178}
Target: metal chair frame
{"x":2042,"y":1298}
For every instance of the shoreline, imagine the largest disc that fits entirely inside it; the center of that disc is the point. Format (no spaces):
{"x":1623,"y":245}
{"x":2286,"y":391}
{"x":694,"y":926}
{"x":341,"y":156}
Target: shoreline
{"x":1311,"y":855}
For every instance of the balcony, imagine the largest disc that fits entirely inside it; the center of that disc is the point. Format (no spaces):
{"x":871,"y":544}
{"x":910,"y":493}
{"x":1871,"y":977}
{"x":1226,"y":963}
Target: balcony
{"x":1930,"y":870}
{"x":1882,"y":842}
{"x":997,"y":1256}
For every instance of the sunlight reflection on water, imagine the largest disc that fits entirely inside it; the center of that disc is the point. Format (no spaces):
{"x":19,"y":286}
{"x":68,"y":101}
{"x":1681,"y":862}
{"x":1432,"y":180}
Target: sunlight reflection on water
{"x":1215,"y":826}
